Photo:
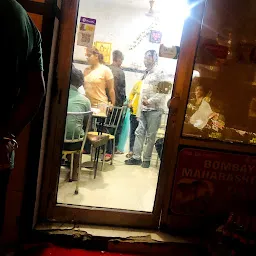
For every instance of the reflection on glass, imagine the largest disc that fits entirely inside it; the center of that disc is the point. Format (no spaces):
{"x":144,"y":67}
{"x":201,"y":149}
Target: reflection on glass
{"x":222,"y":100}
{"x":204,"y":116}
{"x":128,"y":86}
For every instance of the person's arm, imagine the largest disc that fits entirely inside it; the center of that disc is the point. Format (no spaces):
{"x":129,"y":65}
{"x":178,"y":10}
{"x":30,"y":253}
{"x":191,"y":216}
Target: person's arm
{"x":28,"y":105}
{"x":87,"y":107}
{"x":110,"y":85}
{"x":123,"y":86}
{"x":32,"y":92}
{"x":157,"y":98}
{"x":85,"y":74}
{"x":111,"y":91}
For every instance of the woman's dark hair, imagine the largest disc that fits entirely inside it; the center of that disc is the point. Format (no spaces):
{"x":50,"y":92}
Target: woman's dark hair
{"x":202,"y":87}
{"x":77,"y":77}
{"x":95,"y":51}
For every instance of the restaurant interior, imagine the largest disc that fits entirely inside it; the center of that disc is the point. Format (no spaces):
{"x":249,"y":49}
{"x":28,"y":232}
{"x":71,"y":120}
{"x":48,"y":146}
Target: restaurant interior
{"x":141,"y":29}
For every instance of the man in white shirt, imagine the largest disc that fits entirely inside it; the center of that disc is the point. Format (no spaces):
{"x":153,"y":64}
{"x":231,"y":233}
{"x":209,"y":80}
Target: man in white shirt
{"x":149,"y":111}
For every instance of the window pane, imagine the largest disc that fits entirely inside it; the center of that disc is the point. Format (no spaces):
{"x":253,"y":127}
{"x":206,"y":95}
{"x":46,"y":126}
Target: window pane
{"x":222,"y":100}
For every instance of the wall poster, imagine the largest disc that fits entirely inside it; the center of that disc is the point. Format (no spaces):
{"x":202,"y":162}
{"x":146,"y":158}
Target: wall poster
{"x":86,"y":32}
{"x":211,"y":183}
{"x":169,"y":52}
{"x":105,"y":49}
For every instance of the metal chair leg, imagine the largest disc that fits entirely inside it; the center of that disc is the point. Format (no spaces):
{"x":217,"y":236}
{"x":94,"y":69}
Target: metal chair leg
{"x":71,"y":168}
{"x":96,"y":163}
{"x":91,"y":152}
{"x":78,"y":173}
{"x":103,"y":155}
{"x":113,"y":151}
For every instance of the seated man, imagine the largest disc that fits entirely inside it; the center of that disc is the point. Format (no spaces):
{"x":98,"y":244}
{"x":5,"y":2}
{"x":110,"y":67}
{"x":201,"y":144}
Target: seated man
{"x":76,"y":103}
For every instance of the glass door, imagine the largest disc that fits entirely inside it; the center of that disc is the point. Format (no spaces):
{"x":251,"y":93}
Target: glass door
{"x":214,"y":127}
{"x":117,"y":60}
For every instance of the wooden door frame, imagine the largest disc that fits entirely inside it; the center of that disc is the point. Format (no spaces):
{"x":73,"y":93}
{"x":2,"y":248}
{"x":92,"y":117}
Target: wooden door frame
{"x":48,"y":10}
{"x":184,"y":70}
{"x":68,"y":13}
{"x":185,"y":66}
{"x":60,"y":212}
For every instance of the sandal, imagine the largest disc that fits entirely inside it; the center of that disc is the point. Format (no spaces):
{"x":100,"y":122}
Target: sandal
{"x":108,"y":157}
{"x":129,"y":155}
{"x":118,"y":152}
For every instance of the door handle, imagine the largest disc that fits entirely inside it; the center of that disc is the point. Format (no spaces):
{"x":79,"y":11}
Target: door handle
{"x":174,"y":105}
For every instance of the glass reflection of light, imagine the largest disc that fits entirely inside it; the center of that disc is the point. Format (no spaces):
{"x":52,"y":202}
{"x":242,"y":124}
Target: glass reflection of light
{"x":196,"y":73}
{"x":198,"y":123}
{"x":172,"y":16}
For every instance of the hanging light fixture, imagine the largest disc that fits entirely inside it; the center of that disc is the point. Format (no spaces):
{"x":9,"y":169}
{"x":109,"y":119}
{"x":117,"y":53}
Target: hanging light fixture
{"x":151,"y":4}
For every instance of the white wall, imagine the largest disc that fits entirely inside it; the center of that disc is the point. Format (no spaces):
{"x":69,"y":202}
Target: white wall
{"x":121,"y":25}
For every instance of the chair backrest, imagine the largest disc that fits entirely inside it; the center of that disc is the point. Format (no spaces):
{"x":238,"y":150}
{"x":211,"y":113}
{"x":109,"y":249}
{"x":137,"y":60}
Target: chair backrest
{"x":77,"y":126}
{"x":114,"y":117}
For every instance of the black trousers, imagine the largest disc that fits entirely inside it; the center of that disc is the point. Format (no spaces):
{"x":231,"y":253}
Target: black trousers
{"x":119,"y":130}
{"x":133,"y":126}
{"x":4,"y":180}
{"x":159,"y":147}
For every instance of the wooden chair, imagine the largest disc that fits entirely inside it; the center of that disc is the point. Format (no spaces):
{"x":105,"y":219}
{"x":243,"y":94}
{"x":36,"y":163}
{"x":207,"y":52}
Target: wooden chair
{"x":112,"y":122}
{"x":97,"y":142}
{"x":75,"y":138}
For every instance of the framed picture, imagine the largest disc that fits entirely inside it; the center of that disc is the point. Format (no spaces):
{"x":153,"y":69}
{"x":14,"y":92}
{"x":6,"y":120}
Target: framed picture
{"x":155,"y":37}
{"x":105,"y":49}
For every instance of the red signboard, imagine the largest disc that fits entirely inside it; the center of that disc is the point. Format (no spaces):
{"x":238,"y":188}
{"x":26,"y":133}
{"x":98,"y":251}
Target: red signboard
{"x":208,"y":182}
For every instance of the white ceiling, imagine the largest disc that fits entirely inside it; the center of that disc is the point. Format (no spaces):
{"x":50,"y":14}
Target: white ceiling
{"x":139,"y":4}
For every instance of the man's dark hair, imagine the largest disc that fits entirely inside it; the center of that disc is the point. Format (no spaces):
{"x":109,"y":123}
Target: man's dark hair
{"x":117,"y":55}
{"x":153,"y":54}
{"x":77,"y":77}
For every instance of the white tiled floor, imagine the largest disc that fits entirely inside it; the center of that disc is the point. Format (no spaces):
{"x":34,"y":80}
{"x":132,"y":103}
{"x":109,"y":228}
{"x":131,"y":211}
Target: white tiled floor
{"x":118,"y":186}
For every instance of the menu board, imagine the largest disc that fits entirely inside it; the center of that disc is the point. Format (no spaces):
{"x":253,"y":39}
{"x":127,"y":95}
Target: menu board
{"x":86,"y":32}
{"x":222,"y":101}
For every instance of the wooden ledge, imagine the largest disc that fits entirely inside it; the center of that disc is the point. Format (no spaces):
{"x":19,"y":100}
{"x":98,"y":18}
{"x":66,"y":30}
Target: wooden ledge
{"x":116,"y":239}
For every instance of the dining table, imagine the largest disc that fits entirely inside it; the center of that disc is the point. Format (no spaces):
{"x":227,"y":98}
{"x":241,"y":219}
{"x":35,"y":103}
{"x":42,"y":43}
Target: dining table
{"x":99,"y":116}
